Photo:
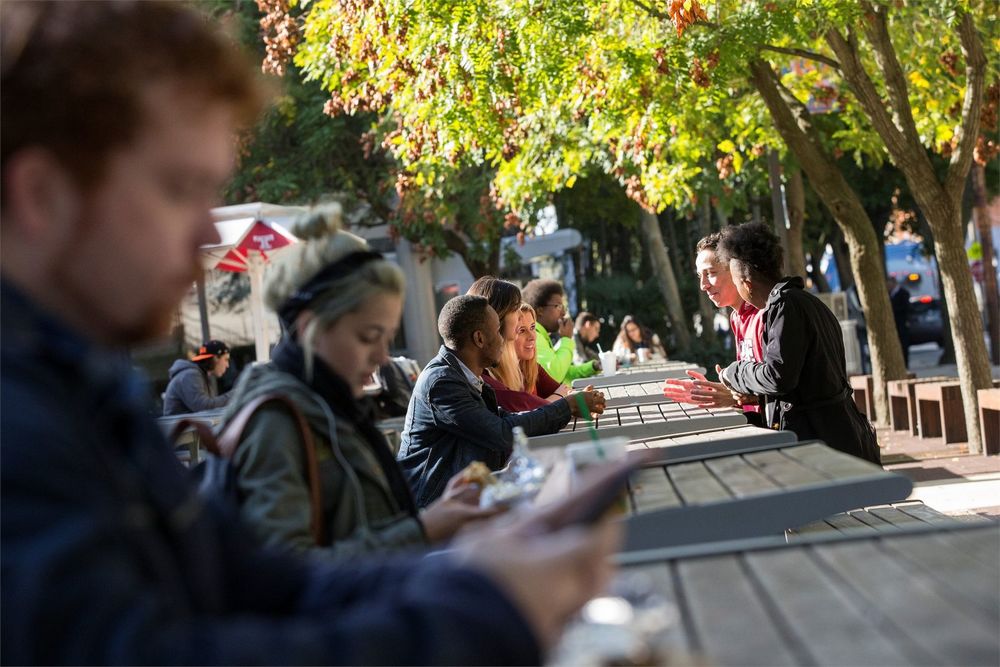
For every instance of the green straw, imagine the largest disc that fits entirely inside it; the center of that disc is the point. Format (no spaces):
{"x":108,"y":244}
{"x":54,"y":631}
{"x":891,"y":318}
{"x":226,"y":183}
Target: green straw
{"x":585,"y":411}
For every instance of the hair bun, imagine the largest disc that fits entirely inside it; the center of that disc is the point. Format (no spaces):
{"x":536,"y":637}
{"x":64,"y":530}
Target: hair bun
{"x":320,"y":221}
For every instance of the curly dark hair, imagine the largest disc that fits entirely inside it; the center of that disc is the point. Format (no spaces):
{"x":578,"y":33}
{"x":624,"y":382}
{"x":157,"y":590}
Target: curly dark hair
{"x":505,"y":297}
{"x":709,"y":242}
{"x":460,"y":318}
{"x":756,"y":249}
{"x":539,"y":292}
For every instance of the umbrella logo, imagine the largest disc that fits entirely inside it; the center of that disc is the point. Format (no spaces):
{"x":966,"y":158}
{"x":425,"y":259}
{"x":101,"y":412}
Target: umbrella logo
{"x":264,"y":241}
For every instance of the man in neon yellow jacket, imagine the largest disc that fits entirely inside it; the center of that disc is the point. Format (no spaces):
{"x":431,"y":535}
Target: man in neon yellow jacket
{"x":546,"y":297}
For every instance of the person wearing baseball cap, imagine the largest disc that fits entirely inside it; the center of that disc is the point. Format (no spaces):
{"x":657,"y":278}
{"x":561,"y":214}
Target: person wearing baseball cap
{"x":190,"y":389}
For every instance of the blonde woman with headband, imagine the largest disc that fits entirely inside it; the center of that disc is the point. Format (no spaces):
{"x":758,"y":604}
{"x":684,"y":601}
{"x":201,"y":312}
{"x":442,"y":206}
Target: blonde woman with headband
{"x":340,"y":305}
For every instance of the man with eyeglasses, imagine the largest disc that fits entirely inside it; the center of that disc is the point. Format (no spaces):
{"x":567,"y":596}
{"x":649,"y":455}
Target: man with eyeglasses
{"x":547,"y":298}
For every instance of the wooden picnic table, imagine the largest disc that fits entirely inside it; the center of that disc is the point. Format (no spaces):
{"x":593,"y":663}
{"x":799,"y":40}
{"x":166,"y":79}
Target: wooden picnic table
{"x":644,"y":423}
{"x":733,"y":496}
{"x":881,"y":518}
{"x":909,"y":597}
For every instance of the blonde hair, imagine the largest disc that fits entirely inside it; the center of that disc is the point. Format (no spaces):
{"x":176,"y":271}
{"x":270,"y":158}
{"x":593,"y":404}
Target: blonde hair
{"x":322,"y":241}
{"x":529,"y":368}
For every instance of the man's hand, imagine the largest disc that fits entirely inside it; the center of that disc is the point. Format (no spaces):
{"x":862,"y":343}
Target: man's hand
{"x":699,"y":391}
{"x":548,"y":576}
{"x":594,"y":399}
{"x":566,"y":327}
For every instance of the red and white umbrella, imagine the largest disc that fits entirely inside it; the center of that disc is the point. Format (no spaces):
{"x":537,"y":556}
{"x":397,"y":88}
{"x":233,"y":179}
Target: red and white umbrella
{"x":250,"y":235}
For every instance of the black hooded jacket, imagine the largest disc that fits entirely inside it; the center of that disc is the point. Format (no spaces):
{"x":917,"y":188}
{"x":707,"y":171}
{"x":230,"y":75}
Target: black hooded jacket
{"x":805,"y":372}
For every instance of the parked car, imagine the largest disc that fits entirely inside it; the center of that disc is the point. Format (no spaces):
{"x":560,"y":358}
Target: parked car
{"x":917,"y":271}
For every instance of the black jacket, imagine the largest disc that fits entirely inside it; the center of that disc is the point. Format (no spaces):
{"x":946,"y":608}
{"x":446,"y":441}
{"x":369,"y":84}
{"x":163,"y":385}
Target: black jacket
{"x":805,"y":372}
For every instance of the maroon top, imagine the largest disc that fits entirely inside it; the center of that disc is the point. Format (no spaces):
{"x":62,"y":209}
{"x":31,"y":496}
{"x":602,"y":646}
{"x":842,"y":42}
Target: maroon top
{"x":512,"y":400}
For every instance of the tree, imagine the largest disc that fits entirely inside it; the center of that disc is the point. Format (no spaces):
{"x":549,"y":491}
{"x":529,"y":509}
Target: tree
{"x":544,"y":90}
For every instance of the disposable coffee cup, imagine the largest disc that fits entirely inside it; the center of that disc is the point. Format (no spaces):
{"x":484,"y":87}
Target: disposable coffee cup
{"x":643,"y":353}
{"x":609,"y":363}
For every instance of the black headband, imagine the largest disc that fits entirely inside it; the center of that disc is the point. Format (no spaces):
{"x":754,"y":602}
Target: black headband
{"x":319,"y":283}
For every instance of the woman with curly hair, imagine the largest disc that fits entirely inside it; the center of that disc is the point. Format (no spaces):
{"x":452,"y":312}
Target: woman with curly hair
{"x":803,"y":375}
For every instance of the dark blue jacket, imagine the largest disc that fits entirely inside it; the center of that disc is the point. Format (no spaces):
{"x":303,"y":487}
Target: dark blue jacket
{"x":109,"y":557}
{"x":449,"y":424}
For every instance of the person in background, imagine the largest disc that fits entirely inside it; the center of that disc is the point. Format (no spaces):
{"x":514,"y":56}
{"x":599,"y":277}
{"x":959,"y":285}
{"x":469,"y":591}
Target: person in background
{"x":119,"y":124}
{"x":585,"y":334}
{"x":192,"y":387}
{"x":530,"y":387}
{"x":547,"y":298}
{"x":746,"y":323}
{"x":453,"y":418}
{"x":803,"y":374}
{"x":899,"y":298}
{"x":633,"y":336}
{"x":339,"y":304}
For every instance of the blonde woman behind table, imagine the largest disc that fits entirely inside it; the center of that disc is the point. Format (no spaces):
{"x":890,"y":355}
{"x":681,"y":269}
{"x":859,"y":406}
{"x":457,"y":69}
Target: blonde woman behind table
{"x":340,"y":304}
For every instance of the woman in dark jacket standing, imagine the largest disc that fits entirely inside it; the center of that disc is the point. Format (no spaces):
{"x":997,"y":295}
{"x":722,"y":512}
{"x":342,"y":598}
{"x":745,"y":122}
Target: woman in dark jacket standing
{"x":803,"y":375}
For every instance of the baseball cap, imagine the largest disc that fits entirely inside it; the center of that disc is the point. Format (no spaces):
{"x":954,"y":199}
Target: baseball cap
{"x":209,"y":349}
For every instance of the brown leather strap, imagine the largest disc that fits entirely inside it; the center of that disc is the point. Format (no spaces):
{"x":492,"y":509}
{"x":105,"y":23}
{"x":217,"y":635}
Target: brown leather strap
{"x":227,"y":442}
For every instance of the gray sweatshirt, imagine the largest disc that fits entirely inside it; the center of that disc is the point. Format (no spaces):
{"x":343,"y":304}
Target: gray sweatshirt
{"x":189,"y":390}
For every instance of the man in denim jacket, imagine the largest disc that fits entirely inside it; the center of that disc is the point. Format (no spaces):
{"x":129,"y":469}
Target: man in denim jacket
{"x":453,"y":418}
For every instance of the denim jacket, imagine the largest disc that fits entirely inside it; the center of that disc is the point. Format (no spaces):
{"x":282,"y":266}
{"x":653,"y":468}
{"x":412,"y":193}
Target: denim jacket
{"x":109,"y":557}
{"x":449,"y":424}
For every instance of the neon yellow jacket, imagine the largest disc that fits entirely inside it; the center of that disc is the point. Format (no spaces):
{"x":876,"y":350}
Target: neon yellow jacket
{"x":558,"y":361}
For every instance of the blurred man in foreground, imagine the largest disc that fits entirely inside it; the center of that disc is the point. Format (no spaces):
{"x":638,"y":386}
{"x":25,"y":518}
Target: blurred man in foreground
{"x":117,"y":130}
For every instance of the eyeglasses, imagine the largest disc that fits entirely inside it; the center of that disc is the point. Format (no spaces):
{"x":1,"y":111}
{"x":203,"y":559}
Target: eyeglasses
{"x":560,"y":305}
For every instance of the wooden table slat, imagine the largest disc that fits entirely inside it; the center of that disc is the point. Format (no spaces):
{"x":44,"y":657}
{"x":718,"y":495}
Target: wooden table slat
{"x":966,"y":580}
{"x":783,"y":468}
{"x":696,"y":484}
{"x":741,"y":478}
{"x":831,"y":461}
{"x":793,"y":581}
{"x":913,"y":603}
{"x":650,"y":489}
{"x":733,"y":624}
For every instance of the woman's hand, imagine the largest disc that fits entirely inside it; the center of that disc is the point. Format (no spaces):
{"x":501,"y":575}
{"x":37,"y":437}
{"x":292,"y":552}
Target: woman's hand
{"x":699,"y":391}
{"x":593,"y":398}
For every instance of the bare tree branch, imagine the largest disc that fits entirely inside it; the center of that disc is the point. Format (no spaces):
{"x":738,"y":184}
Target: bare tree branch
{"x":877,"y":31}
{"x":802,"y":53}
{"x":864,"y":89}
{"x":975,"y":84}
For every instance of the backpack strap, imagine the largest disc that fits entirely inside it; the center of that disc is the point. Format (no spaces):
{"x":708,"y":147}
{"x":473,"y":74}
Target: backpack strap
{"x":225,"y":444}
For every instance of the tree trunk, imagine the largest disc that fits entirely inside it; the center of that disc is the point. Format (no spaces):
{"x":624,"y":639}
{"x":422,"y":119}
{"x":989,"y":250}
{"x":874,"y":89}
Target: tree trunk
{"x":792,"y":121}
{"x":990,"y":292}
{"x":653,"y":237}
{"x":940,"y":200}
{"x":780,"y":215}
{"x":795,"y":201}
{"x":705,"y":306}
